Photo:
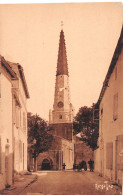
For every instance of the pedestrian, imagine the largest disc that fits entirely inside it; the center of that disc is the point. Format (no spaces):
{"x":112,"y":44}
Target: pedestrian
{"x":91,"y":165}
{"x":74,"y":167}
{"x":63,"y":166}
{"x":79,"y":167}
{"x":84,"y":166}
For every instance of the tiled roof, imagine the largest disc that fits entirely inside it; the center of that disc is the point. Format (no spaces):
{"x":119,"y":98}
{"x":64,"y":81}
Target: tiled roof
{"x":8,"y":68}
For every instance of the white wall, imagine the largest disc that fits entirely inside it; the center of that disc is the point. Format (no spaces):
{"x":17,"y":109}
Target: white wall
{"x":110,"y":128}
{"x":20,"y":134}
{"x":6,"y":129}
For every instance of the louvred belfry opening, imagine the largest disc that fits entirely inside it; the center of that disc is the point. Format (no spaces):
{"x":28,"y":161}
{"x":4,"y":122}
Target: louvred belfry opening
{"x":62,"y":67}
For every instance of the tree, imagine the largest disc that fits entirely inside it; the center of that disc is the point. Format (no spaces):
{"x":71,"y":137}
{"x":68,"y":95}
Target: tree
{"x":39,"y":136}
{"x":84,"y":123}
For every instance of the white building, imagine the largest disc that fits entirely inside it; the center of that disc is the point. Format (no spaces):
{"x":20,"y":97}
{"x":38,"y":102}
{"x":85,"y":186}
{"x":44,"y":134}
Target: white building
{"x":13,"y":121}
{"x":109,"y":156}
{"x":20,"y":95}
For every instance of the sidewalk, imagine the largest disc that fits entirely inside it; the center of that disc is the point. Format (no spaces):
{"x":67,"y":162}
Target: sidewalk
{"x":21,"y":182}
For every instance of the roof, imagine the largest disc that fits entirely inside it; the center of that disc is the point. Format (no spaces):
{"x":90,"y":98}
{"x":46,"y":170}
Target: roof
{"x":62,"y":67}
{"x":17,"y":66}
{"x":8,"y":68}
{"x":23,"y":80}
{"x":114,"y":60}
{"x":14,"y":67}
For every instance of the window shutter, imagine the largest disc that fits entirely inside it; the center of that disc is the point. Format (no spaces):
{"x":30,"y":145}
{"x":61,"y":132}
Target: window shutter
{"x":0,"y":155}
{"x":115,"y":107}
{"x":109,"y":155}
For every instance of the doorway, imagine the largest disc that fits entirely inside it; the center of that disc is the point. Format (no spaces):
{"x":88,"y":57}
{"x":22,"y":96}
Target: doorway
{"x":7,"y":165}
{"x":46,"y":165}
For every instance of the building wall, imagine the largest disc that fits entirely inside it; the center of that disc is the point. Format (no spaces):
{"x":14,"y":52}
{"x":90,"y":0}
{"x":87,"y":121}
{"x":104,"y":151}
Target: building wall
{"x":20,"y":128}
{"x":68,"y":153}
{"x":96,"y":160}
{"x":53,"y":156}
{"x":61,"y":151}
{"x":5,"y":131}
{"x":64,"y":142}
{"x":63,"y":130}
{"x":13,"y":124}
{"x":111,"y":125}
{"x":82,"y":152}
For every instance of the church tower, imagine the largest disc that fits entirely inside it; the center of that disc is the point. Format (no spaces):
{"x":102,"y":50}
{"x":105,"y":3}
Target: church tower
{"x":61,"y":118}
{"x":62,"y":108}
{"x":61,"y":153}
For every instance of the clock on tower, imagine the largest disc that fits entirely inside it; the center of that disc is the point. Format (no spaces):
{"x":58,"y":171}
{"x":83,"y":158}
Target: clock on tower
{"x":60,"y":104}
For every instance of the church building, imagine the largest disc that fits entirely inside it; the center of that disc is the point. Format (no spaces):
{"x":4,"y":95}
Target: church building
{"x":60,"y":119}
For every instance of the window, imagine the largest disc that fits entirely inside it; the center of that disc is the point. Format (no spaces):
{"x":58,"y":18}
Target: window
{"x":0,"y":84}
{"x":67,"y":134}
{"x":20,"y":118}
{"x":20,"y":149}
{"x":17,"y":116}
{"x":69,"y":155}
{"x":102,"y":111}
{"x":60,"y":116}
{"x":23,"y":156}
{"x":57,"y":157}
{"x":115,"y":107}
{"x":0,"y":155}
{"x":24,"y":121}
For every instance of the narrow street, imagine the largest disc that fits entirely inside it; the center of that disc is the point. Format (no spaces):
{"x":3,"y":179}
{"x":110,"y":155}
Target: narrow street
{"x":70,"y":183}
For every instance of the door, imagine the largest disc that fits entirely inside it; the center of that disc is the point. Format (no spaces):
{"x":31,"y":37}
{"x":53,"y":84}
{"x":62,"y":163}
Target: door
{"x":46,"y":164}
{"x":7,"y":165}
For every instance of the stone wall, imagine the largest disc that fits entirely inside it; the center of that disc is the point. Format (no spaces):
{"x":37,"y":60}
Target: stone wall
{"x":82,"y":152}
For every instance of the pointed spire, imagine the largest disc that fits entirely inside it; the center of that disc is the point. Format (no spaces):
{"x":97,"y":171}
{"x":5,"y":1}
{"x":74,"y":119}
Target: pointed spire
{"x":62,"y":67}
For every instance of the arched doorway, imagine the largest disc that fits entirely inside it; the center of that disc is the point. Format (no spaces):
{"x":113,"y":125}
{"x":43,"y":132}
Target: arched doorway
{"x":46,"y":165}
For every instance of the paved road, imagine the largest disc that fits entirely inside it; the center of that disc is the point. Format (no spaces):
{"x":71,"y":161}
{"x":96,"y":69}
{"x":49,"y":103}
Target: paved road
{"x":69,"y":183}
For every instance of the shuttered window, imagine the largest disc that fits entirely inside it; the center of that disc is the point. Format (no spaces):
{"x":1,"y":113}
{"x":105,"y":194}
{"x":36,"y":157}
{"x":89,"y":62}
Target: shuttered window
{"x":115,"y":107}
{"x":24,"y":121}
{"x":109,"y":155}
{"x":0,"y":155}
{"x":20,"y":149}
{"x":0,"y":84}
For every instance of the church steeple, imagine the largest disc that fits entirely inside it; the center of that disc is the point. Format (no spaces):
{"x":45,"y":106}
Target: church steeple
{"x":62,"y":67}
{"x":62,"y":107}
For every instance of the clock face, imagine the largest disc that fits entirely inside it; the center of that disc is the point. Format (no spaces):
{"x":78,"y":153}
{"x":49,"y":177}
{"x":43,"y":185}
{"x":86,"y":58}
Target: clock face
{"x":60,"y":104}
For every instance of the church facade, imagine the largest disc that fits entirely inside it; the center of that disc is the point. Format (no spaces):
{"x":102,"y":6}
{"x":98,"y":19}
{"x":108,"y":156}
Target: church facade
{"x":60,"y":119}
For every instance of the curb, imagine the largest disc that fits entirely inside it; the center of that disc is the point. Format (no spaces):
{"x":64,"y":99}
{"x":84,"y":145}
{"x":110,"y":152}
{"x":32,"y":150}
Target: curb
{"x":31,"y":182}
{"x":14,"y":187}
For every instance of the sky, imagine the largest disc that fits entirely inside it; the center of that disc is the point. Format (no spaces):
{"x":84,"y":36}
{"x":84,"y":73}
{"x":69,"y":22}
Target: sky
{"x":29,"y":35}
